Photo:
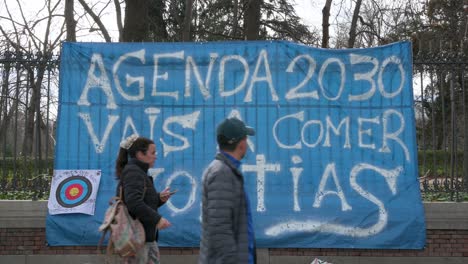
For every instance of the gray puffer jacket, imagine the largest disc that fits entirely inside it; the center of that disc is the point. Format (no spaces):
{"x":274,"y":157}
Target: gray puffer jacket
{"x":224,"y":237}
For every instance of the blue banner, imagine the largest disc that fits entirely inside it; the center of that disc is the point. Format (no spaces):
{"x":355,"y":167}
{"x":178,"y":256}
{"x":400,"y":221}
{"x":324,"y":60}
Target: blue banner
{"x":333,"y":164}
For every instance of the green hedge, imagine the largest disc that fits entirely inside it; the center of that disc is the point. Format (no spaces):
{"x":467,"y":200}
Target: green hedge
{"x":29,"y":184}
{"x":22,"y":163}
{"x":438,"y":163}
{"x":25,"y":178}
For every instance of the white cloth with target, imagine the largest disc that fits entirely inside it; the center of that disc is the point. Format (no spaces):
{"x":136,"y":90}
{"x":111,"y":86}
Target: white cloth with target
{"x":74,"y":191}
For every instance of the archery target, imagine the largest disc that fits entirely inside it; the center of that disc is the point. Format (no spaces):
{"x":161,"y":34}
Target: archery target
{"x":73,"y":191}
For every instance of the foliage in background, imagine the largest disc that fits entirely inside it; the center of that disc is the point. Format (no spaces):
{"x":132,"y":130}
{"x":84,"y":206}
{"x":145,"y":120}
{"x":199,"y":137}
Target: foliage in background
{"x":444,"y":197}
{"x":20,"y":180}
{"x":437,"y":28}
{"x":27,"y":187}
{"x":437,"y":163}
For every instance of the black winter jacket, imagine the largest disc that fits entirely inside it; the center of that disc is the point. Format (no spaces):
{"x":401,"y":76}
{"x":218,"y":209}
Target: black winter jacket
{"x":142,"y":204}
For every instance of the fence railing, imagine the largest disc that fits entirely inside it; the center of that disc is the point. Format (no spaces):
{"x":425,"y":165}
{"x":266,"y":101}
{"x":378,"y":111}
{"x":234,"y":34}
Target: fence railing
{"x":441,"y":107}
{"x":28,"y":107}
{"x":29,"y":103}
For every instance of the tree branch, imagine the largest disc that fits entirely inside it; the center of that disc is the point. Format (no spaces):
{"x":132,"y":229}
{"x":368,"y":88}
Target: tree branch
{"x":18,"y":46}
{"x":97,"y":20}
{"x":14,"y":44}
{"x":118,"y":12}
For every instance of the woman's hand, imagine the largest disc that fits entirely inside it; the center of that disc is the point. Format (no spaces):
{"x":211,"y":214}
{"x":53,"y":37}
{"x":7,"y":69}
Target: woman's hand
{"x":166,"y":194}
{"x":163,"y":223}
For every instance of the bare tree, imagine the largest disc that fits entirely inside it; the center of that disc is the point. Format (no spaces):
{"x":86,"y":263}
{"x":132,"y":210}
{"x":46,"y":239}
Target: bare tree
{"x":24,"y":37}
{"x":136,"y":20}
{"x":353,"y":28}
{"x":326,"y":23}
{"x":235,"y":18}
{"x":70,"y":21}
{"x":118,"y":16}
{"x":96,"y":19}
{"x":187,"y":20}
{"x":252,"y":19}
{"x":6,"y":110}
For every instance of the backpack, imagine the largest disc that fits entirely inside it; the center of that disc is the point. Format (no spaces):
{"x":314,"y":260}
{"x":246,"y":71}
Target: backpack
{"x":127,"y":235}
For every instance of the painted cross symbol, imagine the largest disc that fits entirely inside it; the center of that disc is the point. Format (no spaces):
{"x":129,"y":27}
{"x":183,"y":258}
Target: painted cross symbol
{"x":261,"y":168}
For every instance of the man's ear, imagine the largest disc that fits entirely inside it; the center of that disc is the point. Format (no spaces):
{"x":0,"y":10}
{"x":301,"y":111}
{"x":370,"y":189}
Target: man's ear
{"x":242,"y":144}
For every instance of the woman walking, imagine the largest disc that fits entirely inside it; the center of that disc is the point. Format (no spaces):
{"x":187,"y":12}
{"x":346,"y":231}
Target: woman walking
{"x":136,"y":156}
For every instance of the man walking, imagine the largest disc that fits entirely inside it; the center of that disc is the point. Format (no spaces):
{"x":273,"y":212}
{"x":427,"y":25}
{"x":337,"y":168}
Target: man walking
{"x":227,"y":234}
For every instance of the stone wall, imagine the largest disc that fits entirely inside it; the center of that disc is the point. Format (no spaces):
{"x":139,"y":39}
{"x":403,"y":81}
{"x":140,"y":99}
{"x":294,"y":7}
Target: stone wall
{"x":22,"y":241}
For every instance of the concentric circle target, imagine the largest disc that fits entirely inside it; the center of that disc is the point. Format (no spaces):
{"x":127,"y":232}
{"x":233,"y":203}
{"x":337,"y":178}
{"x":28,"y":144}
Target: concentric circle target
{"x":73,"y":191}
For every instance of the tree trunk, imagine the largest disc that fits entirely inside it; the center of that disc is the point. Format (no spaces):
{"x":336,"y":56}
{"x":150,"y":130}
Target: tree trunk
{"x":325,"y":23}
{"x":187,"y":20}
{"x":465,"y":134}
{"x":70,"y":21}
{"x":33,"y":110}
{"x":353,"y":28}
{"x":157,"y":27}
{"x":235,"y":19}
{"x":118,"y":16}
{"x":4,"y":117}
{"x":136,"y":21}
{"x":29,"y":119}
{"x":252,"y":19}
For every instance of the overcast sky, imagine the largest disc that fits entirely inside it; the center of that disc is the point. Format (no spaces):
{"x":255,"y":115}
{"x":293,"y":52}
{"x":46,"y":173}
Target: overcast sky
{"x":309,"y":10}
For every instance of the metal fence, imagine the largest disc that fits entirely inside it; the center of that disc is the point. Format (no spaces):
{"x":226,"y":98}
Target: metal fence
{"x":29,"y":103}
{"x":28,"y":107}
{"x":441,"y":108}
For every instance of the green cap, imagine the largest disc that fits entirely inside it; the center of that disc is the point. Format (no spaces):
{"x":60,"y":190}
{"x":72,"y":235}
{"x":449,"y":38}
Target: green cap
{"x":234,"y":130}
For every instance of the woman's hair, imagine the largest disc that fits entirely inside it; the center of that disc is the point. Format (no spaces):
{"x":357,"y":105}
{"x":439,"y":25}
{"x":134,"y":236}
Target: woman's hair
{"x":140,"y":144}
